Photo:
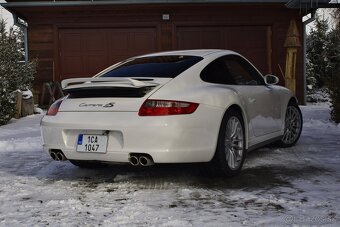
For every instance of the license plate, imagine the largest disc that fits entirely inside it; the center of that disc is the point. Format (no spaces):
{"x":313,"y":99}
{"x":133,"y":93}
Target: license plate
{"x":92,"y":143}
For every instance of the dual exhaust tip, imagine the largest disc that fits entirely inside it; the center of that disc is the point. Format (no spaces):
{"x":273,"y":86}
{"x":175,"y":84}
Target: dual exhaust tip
{"x":141,"y":159}
{"x":58,"y":155}
{"x":134,"y":159}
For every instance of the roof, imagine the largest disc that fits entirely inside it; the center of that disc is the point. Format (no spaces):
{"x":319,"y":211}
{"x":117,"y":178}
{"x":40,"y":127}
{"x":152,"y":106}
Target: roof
{"x":313,"y":4}
{"x":196,"y":52}
{"x":308,"y":4}
{"x":305,"y":6}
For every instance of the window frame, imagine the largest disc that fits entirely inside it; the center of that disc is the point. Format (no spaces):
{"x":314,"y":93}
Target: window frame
{"x":147,"y":68}
{"x":244,"y":63}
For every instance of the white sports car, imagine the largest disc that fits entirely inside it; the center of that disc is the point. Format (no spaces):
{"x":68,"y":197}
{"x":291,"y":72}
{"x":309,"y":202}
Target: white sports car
{"x":171,"y":107}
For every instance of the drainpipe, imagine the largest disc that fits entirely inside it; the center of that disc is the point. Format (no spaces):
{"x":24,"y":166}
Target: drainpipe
{"x":305,"y":23}
{"x":23,"y":26}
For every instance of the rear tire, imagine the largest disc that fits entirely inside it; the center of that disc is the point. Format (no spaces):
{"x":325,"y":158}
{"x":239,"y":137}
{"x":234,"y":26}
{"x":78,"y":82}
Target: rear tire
{"x":87,"y":164}
{"x":293,"y":126}
{"x":230,"y":153}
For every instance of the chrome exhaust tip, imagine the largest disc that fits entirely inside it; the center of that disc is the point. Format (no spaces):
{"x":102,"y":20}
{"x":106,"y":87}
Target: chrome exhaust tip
{"x":145,"y":161}
{"x":53,"y":155}
{"x":134,"y":160}
{"x":61,"y":156}
{"x":57,"y":155}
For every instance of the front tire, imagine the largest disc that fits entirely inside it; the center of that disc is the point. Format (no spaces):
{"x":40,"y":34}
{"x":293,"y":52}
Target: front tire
{"x":230,"y":153}
{"x":293,"y":126}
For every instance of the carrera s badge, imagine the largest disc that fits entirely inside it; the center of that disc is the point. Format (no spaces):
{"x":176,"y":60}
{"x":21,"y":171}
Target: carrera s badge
{"x":108,"y":105}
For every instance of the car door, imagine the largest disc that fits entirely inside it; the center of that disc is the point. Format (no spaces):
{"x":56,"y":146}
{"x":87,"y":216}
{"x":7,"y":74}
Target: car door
{"x":261,"y":101}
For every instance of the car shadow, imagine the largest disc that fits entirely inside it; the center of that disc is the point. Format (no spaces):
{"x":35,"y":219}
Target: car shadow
{"x":161,"y":176}
{"x":167,"y":176}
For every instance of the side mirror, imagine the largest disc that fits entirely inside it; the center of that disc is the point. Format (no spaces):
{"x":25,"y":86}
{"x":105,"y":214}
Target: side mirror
{"x":271,"y":79}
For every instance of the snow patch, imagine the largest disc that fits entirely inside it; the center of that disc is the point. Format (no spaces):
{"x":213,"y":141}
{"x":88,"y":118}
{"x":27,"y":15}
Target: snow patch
{"x":292,"y":186}
{"x":27,"y":94}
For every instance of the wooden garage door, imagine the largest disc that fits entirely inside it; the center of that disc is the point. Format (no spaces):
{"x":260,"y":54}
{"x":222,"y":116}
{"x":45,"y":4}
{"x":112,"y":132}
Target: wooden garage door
{"x":85,"y":52}
{"x":253,"y":42}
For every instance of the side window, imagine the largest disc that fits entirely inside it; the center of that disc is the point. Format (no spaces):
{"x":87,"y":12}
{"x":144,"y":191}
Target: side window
{"x":217,"y":72}
{"x":242,"y":72}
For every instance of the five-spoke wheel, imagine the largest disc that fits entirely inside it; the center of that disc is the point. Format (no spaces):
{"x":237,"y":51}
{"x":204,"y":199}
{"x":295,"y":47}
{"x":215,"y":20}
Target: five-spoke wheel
{"x":293,"y":126}
{"x":231,"y":150}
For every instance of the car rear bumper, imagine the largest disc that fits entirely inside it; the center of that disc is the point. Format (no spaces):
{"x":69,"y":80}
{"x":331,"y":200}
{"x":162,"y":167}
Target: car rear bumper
{"x":168,"y":139}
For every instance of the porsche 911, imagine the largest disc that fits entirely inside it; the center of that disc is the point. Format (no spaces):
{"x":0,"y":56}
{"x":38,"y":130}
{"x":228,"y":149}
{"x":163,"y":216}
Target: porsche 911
{"x":187,"y":106}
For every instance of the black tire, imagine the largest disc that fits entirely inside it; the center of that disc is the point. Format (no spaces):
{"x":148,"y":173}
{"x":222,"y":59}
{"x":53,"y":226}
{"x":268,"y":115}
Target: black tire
{"x":225,"y":149}
{"x":87,"y":164}
{"x":293,"y":128}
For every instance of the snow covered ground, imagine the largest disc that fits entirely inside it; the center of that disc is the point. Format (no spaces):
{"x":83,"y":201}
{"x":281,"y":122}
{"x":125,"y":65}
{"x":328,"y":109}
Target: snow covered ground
{"x":299,"y":185}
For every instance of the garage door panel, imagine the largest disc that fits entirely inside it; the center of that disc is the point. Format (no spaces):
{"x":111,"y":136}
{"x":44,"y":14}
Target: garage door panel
{"x":119,"y":41}
{"x":95,"y":41}
{"x":143,"y":41}
{"x":95,"y":62}
{"x":253,"y":37}
{"x":189,"y":39}
{"x":212,"y":39}
{"x":85,"y":52}
{"x":193,"y":38}
{"x":250,"y":41}
{"x":75,"y":48}
{"x":129,"y":42}
{"x":72,"y":66}
{"x":72,"y":42}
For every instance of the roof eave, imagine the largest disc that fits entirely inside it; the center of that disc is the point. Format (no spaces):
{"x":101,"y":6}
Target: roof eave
{"x":128,"y":2}
{"x":311,"y":4}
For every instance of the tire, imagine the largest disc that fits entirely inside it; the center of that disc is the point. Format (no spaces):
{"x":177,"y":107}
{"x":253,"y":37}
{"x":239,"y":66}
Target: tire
{"x":293,"y":126}
{"x":87,"y":164}
{"x":231,"y":152}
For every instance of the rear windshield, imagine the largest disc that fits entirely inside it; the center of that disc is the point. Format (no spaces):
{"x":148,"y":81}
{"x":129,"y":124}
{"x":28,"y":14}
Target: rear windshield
{"x":158,"y":66}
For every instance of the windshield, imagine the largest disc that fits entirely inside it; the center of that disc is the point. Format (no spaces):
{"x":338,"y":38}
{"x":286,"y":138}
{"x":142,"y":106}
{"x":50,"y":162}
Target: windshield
{"x":157,"y":66}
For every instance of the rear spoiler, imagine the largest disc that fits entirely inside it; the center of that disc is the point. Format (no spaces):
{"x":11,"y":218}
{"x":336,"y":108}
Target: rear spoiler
{"x":77,"y":83}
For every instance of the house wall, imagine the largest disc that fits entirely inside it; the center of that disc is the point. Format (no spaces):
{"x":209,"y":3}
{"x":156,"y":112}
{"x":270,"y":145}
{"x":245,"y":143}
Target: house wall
{"x":257,"y":31}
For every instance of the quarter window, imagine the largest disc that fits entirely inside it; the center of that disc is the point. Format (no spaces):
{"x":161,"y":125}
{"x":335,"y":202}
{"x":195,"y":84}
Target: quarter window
{"x":217,"y":72}
{"x":233,"y":70}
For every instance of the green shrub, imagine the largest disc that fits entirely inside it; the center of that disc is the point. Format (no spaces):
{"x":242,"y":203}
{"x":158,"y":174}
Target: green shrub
{"x":14,"y":74}
{"x":334,"y":93}
{"x":333,"y":67}
{"x":316,"y":60}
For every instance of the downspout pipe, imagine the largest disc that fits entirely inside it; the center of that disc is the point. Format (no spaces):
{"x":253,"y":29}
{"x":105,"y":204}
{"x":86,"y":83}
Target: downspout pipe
{"x":305,"y":23}
{"x":23,"y":27}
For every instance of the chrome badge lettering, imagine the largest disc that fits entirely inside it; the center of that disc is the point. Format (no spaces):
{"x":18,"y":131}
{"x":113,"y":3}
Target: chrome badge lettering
{"x":90,"y":105}
{"x":110,"y":104}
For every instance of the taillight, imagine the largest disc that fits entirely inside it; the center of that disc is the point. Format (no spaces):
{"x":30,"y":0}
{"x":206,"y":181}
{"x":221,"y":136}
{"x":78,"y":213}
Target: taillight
{"x":54,"y":108}
{"x":153,"y":107}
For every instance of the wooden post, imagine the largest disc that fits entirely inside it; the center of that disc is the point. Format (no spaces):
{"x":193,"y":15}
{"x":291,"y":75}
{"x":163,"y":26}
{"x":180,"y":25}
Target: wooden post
{"x":292,"y":43}
{"x":18,"y":101}
{"x":290,"y":79}
{"x":27,"y":107}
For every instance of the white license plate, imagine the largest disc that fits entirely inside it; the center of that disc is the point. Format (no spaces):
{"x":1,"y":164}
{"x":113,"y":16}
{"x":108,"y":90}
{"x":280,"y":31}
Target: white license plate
{"x":92,"y":143}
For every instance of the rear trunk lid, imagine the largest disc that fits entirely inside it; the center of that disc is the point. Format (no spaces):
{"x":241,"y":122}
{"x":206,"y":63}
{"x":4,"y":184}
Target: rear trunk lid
{"x":108,"y":94}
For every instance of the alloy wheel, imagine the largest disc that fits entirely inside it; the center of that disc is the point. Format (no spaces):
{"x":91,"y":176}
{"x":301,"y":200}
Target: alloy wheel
{"x":293,"y":125}
{"x":234,"y":143}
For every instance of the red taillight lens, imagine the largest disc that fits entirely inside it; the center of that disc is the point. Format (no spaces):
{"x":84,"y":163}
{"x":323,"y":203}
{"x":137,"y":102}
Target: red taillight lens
{"x":165,"y":107}
{"x":54,"y":108}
